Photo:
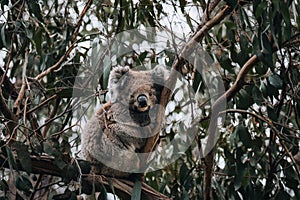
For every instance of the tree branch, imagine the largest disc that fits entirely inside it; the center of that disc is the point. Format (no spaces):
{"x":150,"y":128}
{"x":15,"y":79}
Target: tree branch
{"x":227,"y":96}
{"x":73,"y":170}
{"x":8,"y":114}
{"x":188,"y":48}
{"x":19,"y":99}
{"x":208,"y":161}
{"x":73,"y":41}
{"x":277,"y":132}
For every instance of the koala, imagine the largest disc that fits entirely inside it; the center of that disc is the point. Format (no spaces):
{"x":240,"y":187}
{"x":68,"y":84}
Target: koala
{"x":113,"y":139}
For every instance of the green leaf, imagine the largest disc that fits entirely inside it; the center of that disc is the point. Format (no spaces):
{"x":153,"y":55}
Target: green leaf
{"x":94,"y":58}
{"x":285,"y":11}
{"x":106,"y":72}
{"x":34,"y":8}
{"x":66,"y":93}
{"x":189,"y":21}
{"x":141,"y":58}
{"x":11,"y":159}
{"x":282,"y":194}
{"x":257,"y":95}
{"x":136,"y":191}
{"x":23,"y":183}
{"x":3,"y":185}
{"x":271,"y":113}
{"x":197,"y":83}
{"x":259,"y":9}
{"x":244,"y":135}
{"x":243,"y":55}
{"x":276,"y":30}
{"x":226,"y":63}
{"x":239,"y":176}
{"x":183,"y":173}
{"x":111,"y":186}
{"x":228,"y":155}
{"x":237,"y":182}
{"x":261,"y":69}
{"x":232,"y":3}
{"x":3,"y":38}
{"x":266,"y":46}
{"x":38,"y":41}
{"x":182,"y":4}
{"x":275,"y":81}
{"x":232,"y":138}
{"x":23,"y":156}
{"x":4,"y":3}
{"x":244,"y":99}
{"x":185,"y":195}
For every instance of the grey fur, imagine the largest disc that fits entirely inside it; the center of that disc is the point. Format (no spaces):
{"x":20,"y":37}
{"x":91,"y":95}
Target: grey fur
{"x":115,"y":135}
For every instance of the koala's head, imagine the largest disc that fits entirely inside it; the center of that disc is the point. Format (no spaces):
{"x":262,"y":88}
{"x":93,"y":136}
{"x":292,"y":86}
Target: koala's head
{"x":138,"y":90}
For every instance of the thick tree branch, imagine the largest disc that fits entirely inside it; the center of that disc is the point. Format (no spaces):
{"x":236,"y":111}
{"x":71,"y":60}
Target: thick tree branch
{"x":46,"y":165}
{"x":179,"y":63}
{"x":188,"y":48}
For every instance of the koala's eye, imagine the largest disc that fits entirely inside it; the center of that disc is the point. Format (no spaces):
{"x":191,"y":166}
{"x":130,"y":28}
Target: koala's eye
{"x":150,"y":94}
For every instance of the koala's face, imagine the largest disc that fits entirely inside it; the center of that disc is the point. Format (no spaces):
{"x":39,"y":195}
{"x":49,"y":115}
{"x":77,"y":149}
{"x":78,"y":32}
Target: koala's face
{"x":143,"y":98}
{"x":139,"y":90}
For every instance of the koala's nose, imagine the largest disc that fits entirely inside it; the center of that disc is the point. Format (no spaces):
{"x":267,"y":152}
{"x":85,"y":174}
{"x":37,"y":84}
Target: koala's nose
{"x":142,"y":100}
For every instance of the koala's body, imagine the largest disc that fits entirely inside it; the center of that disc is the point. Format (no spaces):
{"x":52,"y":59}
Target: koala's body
{"x":117,"y":133}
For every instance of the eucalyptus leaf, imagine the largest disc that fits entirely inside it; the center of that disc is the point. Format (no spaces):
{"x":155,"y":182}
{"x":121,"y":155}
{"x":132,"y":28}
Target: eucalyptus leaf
{"x":23,"y":183}
{"x":23,"y":156}
{"x":35,"y":9}
{"x":275,"y":81}
{"x":137,"y":190}
{"x":244,"y":135}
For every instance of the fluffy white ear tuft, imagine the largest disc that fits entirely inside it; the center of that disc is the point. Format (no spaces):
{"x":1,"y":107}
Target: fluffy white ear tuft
{"x":114,"y":77}
{"x":118,"y":72}
{"x":161,"y":71}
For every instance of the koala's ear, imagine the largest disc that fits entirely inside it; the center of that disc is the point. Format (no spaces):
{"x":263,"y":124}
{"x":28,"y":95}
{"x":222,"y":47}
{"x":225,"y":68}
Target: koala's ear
{"x":161,"y":71}
{"x":115,"y":82}
{"x":118,"y":72}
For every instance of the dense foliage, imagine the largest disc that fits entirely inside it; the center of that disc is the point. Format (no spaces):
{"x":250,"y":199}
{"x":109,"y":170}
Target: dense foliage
{"x":44,"y":44}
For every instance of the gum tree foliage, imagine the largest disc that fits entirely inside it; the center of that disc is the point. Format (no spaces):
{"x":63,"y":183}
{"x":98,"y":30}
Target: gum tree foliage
{"x":254,"y":156}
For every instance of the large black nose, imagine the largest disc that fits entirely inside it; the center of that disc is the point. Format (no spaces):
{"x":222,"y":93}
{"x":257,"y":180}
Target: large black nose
{"x":142,"y":100}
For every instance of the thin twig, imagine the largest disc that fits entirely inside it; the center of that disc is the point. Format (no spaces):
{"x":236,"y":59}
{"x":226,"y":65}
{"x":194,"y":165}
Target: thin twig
{"x":19,"y":99}
{"x":229,"y":94}
{"x":271,"y":125}
{"x":52,"y":115}
{"x":42,"y":104}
